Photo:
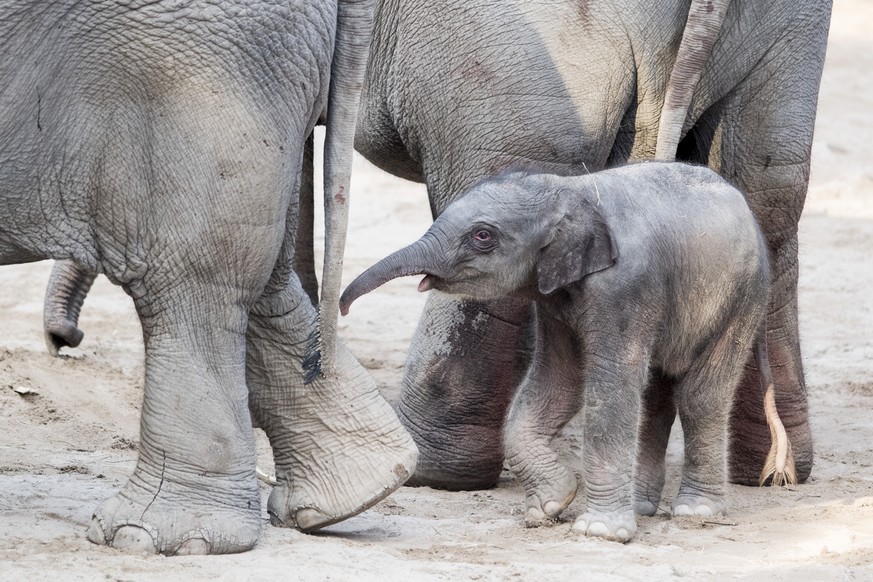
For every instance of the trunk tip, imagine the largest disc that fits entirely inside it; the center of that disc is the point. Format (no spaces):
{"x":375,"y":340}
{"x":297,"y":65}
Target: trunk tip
{"x":345,"y":302}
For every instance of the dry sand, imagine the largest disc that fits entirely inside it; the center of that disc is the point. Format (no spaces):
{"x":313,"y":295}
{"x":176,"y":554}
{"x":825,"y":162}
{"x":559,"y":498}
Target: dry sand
{"x":68,"y":447}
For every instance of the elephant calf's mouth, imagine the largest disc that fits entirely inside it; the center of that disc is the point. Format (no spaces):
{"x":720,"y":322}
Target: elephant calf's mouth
{"x":427,"y":283}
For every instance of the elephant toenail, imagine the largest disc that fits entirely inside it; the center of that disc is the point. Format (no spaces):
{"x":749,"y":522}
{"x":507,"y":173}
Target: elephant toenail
{"x":622,"y":534}
{"x":599,"y":529}
{"x":134,"y":539}
{"x":193,"y":547}
{"x":534,"y":513}
{"x":308,"y":519}
{"x":553,"y":508}
{"x":95,"y":532}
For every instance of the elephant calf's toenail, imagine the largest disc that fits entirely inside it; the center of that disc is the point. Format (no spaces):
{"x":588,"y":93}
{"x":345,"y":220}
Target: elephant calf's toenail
{"x":598,"y":529}
{"x":552,"y":508}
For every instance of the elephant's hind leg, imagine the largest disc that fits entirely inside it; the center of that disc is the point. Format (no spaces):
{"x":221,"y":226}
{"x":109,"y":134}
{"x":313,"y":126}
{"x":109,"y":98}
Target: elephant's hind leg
{"x":656,"y":420}
{"x":194,"y":488}
{"x":762,"y":145}
{"x":703,"y":398}
{"x":192,"y":217}
{"x":339,"y":447}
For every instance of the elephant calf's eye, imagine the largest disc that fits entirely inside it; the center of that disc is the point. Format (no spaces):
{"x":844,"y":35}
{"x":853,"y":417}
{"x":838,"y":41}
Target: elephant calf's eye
{"x":484,"y":239}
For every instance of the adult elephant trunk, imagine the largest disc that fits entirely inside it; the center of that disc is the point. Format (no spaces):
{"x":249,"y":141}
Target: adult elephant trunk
{"x":705,"y":18}
{"x":416,"y":259}
{"x":351,"y":47}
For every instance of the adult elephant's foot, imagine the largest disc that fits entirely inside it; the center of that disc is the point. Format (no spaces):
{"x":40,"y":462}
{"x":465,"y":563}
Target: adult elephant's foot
{"x":749,"y":433}
{"x":463,"y":366}
{"x":155,"y":514}
{"x":619,"y":527}
{"x":343,"y":451}
{"x":444,"y":462}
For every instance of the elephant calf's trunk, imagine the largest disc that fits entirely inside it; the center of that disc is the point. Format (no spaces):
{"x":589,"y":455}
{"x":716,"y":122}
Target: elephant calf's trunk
{"x":406,"y":261}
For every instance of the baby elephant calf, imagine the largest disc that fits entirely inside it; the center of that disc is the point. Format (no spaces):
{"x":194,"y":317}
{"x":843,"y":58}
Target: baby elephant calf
{"x":650,"y":280}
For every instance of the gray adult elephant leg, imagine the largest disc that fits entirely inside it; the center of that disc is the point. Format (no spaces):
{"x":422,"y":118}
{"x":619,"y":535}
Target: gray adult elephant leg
{"x":656,"y":420}
{"x":194,"y":488}
{"x":205,"y":195}
{"x":338,"y":446}
{"x":763,"y":145}
{"x":549,"y":396}
{"x":462,"y":369}
{"x":67,"y":287}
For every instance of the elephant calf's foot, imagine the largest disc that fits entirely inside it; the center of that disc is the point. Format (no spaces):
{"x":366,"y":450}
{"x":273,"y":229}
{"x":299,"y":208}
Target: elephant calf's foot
{"x":646,"y":507}
{"x":647,"y":499}
{"x":179,"y":520}
{"x":549,"y":498}
{"x":692,"y":504}
{"x":345,"y":452}
{"x":619,"y":527}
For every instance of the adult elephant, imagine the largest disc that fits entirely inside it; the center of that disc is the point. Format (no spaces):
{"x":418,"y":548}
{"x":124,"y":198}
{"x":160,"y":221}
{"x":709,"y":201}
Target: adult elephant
{"x":161,"y":143}
{"x":458,"y":92}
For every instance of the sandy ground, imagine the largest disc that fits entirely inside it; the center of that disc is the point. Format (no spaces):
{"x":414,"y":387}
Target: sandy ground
{"x":66,"y":448}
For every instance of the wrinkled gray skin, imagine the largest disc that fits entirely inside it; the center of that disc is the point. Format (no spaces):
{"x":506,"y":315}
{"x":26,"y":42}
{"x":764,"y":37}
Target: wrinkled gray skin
{"x":456,"y":95}
{"x":160,"y":143}
{"x":650,"y":270}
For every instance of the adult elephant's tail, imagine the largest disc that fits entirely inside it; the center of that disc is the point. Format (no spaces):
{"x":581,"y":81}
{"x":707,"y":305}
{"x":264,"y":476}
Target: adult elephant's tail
{"x":705,"y":18}
{"x":351,"y":48}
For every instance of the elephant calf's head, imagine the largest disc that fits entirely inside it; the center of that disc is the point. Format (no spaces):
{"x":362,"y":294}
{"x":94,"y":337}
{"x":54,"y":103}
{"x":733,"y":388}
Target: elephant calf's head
{"x":506,"y":236}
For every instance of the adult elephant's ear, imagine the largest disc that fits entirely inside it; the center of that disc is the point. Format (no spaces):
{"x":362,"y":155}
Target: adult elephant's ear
{"x":580,"y":245}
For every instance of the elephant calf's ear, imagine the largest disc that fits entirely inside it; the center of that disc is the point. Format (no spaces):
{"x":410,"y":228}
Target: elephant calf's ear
{"x":580,"y":246}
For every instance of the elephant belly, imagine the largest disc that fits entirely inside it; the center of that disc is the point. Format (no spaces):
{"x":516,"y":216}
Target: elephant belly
{"x":102,"y":102}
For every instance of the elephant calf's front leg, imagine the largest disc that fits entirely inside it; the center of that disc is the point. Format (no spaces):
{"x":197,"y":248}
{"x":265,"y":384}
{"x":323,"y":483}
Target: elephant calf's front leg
{"x":614,"y":381}
{"x":549,"y":396}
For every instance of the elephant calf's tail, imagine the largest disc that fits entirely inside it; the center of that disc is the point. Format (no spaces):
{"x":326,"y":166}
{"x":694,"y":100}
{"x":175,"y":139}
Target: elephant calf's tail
{"x":779,"y":465}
